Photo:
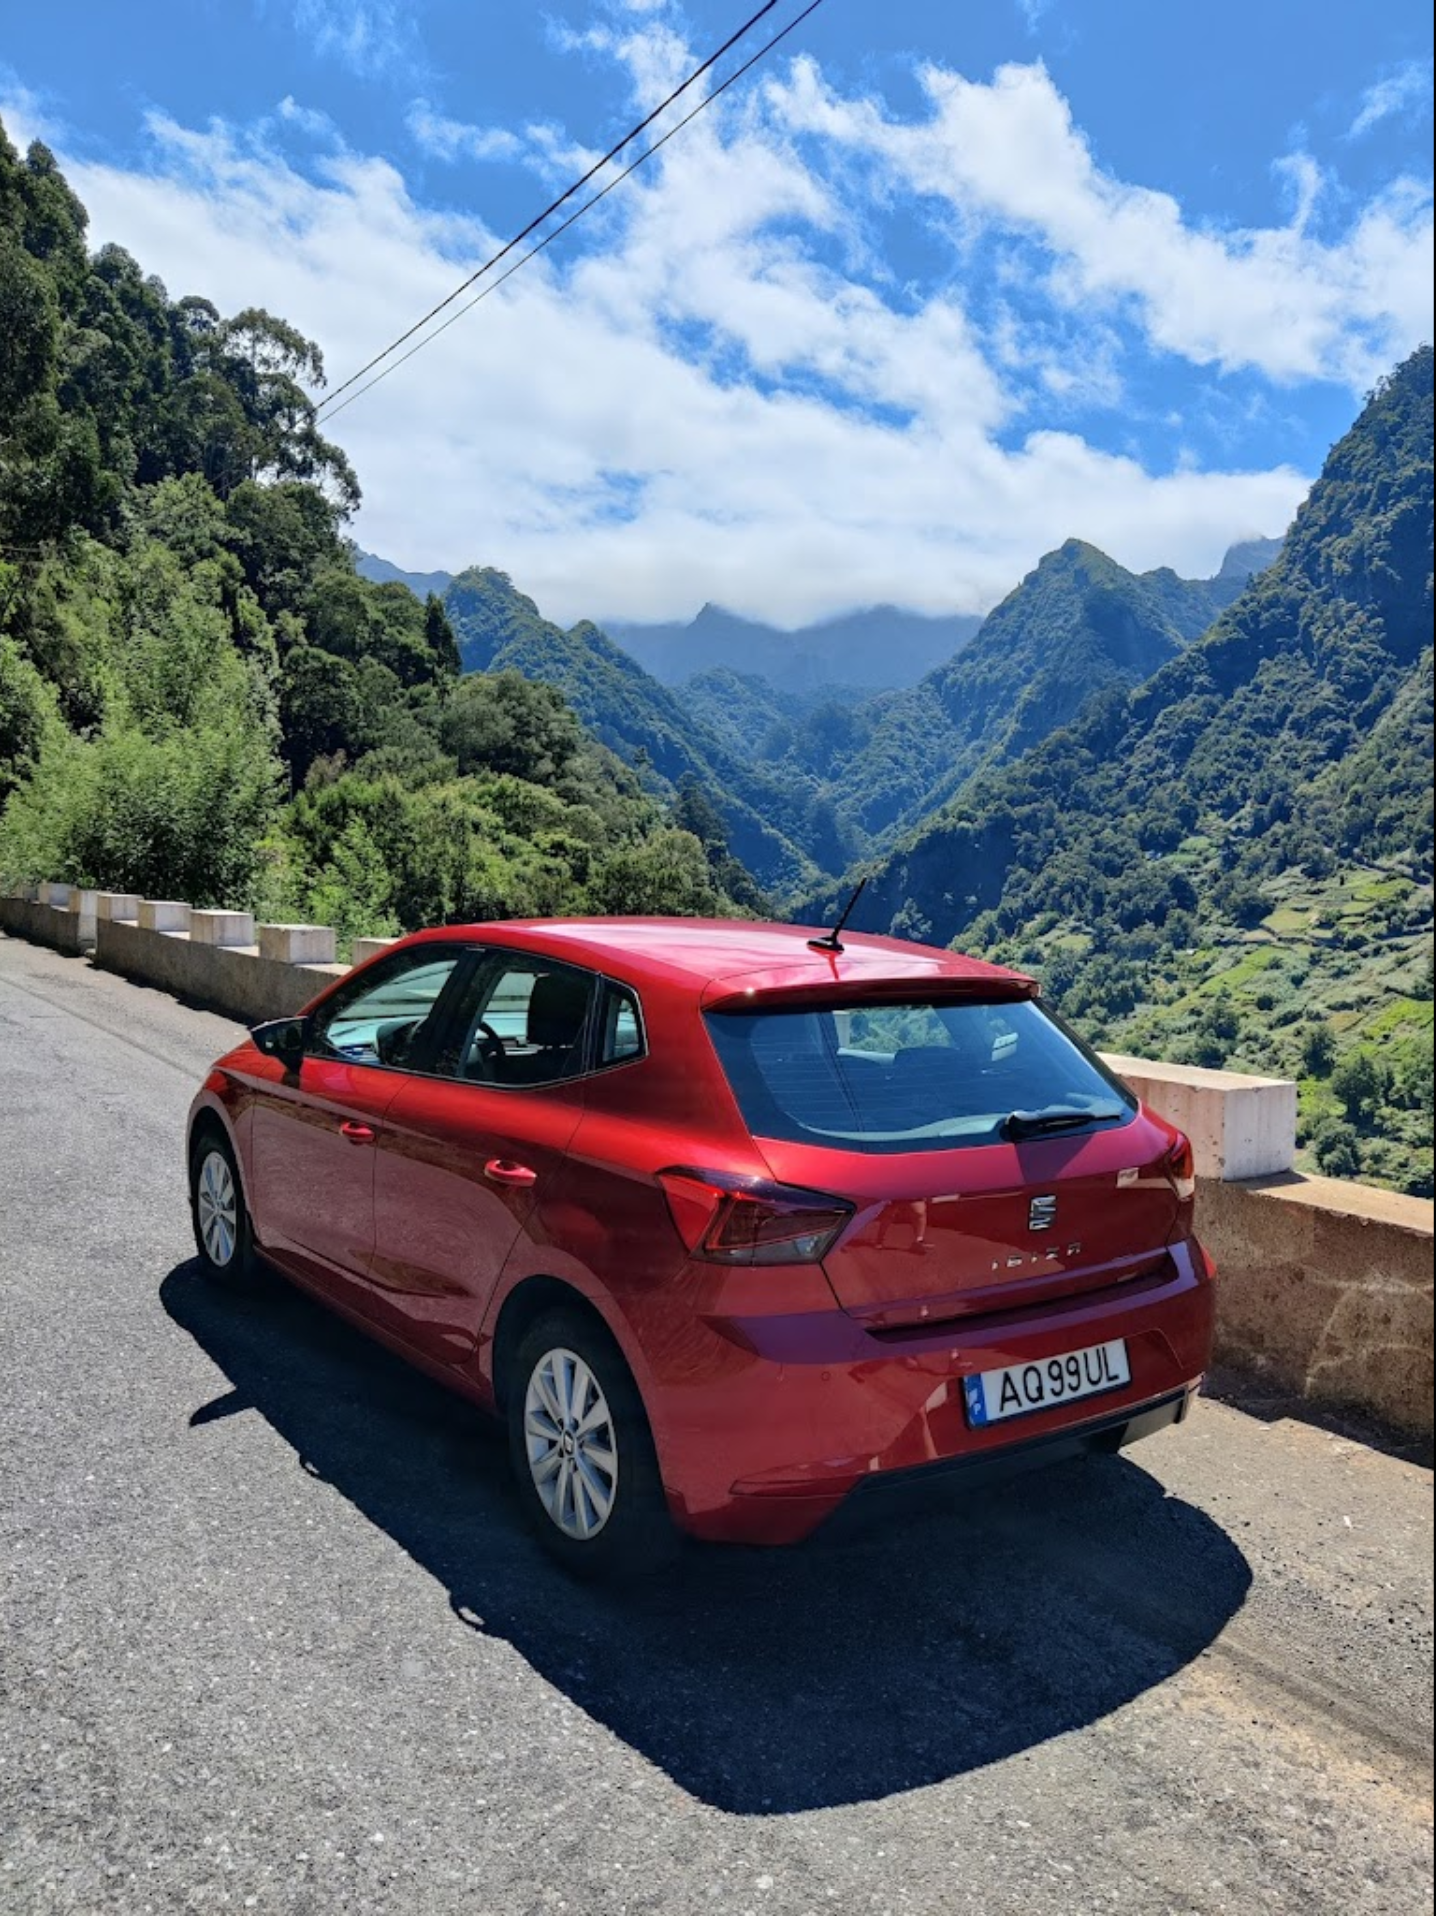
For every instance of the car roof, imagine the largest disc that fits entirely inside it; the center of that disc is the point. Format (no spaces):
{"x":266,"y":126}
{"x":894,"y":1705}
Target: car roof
{"x":705,"y":952}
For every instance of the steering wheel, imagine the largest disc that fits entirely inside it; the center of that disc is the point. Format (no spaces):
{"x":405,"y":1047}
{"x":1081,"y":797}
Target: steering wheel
{"x":393,"y":1039}
{"x":492,"y":1052}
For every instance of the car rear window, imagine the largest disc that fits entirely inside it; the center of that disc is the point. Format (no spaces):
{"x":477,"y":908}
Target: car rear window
{"x":909,"y":1077}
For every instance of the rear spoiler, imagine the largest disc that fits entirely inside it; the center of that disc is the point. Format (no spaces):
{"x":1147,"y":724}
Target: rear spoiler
{"x":790,"y":991}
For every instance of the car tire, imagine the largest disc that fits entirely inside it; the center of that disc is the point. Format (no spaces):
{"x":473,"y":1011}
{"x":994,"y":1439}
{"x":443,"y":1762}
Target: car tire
{"x":223,"y":1234}
{"x":582,"y":1452}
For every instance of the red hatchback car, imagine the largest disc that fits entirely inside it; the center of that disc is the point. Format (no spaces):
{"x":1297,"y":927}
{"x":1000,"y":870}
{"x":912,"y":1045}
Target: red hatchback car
{"x":725,"y":1222}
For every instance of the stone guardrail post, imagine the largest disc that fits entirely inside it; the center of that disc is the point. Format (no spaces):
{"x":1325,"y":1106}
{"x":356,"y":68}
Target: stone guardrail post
{"x":163,"y":914}
{"x":298,"y":944}
{"x":366,"y":948}
{"x":222,"y":927}
{"x":122,"y":907}
{"x":1240,"y":1126}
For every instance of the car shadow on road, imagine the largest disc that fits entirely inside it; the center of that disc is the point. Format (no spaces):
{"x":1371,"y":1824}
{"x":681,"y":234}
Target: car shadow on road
{"x":869,"y":1661}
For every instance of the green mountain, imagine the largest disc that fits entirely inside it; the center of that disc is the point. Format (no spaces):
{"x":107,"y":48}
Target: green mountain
{"x":1232,"y":861}
{"x":1248,"y":557}
{"x":750,"y":715}
{"x":500,"y":630}
{"x":1079,"y":622}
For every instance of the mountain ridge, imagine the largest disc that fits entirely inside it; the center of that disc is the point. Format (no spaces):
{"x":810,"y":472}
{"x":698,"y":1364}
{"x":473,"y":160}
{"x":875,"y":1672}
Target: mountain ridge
{"x":873,"y":648}
{"x":1077,"y":622}
{"x":1231,"y":862}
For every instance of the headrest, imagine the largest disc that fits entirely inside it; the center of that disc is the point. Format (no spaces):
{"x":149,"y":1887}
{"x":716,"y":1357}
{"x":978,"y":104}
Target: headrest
{"x":557,"y":1008}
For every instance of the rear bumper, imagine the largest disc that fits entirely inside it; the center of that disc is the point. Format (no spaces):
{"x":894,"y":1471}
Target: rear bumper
{"x":819,"y":1409}
{"x":894,"y":1491}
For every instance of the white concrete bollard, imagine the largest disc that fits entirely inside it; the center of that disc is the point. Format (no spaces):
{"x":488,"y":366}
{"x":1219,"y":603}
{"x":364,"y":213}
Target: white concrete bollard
{"x":1240,"y":1127}
{"x":367,"y":948}
{"x":297,"y":944}
{"x":118,"y":907}
{"x":222,"y":927}
{"x":83,"y":904}
{"x":163,"y":914}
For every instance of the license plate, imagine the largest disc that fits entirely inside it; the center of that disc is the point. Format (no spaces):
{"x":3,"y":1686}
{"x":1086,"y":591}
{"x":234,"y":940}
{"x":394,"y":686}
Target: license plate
{"x":1023,"y":1388}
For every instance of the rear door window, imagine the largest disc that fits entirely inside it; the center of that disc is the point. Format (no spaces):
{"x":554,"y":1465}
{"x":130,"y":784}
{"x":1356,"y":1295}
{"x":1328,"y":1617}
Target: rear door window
{"x":620,"y":1037}
{"x":912,"y":1077}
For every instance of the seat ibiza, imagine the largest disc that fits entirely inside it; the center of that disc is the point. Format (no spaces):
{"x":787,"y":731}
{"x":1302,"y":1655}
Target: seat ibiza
{"x":728,"y":1222}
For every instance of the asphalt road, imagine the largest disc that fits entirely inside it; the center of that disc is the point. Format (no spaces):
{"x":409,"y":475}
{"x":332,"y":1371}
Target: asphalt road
{"x":272,"y":1637}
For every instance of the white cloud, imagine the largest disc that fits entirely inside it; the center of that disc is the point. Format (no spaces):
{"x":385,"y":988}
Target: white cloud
{"x":714,"y":395}
{"x":1276,"y":299}
{"x":364,"y":35}
{"x":308,"y":120}
{"x":1407,"y":90}
{"x":445,"y":139}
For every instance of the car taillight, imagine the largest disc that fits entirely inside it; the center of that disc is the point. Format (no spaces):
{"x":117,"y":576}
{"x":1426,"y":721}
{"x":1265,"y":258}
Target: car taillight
{"x":732,"y":1220}
{"x":1182,"y":1168}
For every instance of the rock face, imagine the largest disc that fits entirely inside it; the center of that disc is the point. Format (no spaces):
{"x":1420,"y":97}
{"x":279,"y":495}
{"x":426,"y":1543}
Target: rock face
{"x":1248,"y":557}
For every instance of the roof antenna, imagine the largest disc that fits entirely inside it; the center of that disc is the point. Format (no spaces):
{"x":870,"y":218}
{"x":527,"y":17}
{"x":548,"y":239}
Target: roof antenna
{"x":833,"y":941}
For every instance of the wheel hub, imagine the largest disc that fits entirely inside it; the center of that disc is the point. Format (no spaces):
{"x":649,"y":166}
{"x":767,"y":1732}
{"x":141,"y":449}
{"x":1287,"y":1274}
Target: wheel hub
{"x":217,"y":1208}
{"x":571,"y":1444}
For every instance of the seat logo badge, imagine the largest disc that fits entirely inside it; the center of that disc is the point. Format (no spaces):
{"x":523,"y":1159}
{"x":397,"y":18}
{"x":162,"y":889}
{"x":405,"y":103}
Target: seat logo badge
{"x":1042,"y":1214}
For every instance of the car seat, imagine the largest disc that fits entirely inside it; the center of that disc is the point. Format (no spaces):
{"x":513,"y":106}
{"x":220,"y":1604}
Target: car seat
{"x":557,"y":1014}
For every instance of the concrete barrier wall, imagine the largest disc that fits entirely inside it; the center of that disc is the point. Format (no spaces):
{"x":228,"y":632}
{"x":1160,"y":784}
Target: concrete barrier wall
{"x":232,"y":978}
{"x":1325,"y":1286}
{"x":1325,"y":1291}
{"x":46,"y":924}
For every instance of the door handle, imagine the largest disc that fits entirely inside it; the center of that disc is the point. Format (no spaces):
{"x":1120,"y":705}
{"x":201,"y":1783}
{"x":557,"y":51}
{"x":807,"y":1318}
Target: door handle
{"x":357,"y":1133}
{"x":505,"y":1171}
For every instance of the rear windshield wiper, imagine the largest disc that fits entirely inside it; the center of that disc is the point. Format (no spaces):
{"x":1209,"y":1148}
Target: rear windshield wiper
{"x":1056,"y":1117}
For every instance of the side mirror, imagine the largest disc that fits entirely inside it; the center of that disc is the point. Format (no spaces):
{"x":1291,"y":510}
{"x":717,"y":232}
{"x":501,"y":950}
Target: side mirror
{"x":281,"y":1038}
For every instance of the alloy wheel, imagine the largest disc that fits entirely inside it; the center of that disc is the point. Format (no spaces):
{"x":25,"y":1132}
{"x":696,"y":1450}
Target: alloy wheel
{"x":571,"y":1444}
{"x":217,"y":1208}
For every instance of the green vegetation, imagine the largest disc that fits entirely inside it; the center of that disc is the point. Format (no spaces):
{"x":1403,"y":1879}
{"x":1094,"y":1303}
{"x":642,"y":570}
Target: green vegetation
{"x":765,"y":821}
{"x":876,"y":764}
{"x":1239,"y":849}
{"x":200,"y":697}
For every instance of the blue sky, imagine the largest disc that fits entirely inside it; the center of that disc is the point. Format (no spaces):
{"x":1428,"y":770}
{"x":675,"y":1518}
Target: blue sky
{"x":935,"y":288}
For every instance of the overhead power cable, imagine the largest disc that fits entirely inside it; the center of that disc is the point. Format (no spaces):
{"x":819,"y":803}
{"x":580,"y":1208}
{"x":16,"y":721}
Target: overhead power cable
{"x":326,"y":408}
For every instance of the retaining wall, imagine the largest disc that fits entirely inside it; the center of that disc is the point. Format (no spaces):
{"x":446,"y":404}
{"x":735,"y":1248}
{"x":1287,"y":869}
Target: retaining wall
{"x":46,"y":924}
{"x":238,"y":979}
{"x":1325,"y":1291}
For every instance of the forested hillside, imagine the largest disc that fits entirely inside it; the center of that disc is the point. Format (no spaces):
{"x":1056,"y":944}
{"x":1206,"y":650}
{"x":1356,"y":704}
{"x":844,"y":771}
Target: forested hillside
{"x":199,"y":695}
{"x":1076,"y":624}
{"x":1232,"y":863}
{"x":768,"y":821}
